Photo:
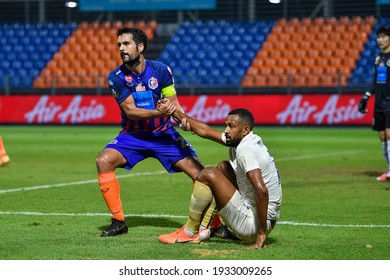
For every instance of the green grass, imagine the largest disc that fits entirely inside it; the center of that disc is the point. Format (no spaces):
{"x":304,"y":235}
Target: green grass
{"x":333,"y":209}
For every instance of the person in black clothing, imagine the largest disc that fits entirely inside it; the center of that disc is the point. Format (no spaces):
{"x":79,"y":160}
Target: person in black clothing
{"x":381,"y":89}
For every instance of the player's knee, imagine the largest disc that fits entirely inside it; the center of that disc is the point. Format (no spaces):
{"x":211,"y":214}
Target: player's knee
{"x":99,"y":161}
{"x":206,"y":175}
{"x":102,"y":163}
{"x":223,"y":166}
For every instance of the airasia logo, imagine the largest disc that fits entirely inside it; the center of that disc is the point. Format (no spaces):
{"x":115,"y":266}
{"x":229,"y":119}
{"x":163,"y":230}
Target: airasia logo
{"x":214,"y":113}
{"x":300,"y":112}
{"x":46,"y":111}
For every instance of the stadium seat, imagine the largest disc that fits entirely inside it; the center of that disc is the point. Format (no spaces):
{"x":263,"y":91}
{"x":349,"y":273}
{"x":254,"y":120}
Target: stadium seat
{"x":237,"y":45}
{"x":81,"y":49}
{"x":35,"y":43}
{"x":313,"y":45}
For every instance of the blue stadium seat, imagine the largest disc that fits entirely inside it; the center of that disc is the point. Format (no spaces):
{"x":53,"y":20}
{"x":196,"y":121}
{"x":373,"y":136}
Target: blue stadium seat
{"x":362,"y":74}
{"x":224,"y":49}
{"x":26,"y":48}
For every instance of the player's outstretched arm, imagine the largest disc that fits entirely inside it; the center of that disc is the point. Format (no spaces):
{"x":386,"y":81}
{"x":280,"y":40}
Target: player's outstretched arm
{"x":198,"y":127}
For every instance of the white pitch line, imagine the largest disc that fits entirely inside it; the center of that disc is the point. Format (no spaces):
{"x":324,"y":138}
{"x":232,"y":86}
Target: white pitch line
{"x":331,"y":225}
{"x":164,"y":172}
{"x":181,"y":217}
{"x":89,"y":214}
{"x":320,"y":155}
{"x":80,"y":182}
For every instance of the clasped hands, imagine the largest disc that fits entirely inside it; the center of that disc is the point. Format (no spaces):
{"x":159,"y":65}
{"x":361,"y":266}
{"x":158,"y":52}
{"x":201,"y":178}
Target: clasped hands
{"x":168,"y":108}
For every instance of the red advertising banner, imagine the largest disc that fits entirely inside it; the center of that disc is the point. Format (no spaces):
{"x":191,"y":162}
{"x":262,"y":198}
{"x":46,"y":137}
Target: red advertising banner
{"x":310,"y":109}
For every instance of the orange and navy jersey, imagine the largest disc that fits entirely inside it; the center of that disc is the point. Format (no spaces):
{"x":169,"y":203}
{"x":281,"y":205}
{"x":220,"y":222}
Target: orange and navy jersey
{"x":154,"y":83}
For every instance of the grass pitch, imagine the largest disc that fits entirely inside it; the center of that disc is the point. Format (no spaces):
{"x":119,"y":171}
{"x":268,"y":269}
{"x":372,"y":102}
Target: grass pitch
{"x":51,"y":207}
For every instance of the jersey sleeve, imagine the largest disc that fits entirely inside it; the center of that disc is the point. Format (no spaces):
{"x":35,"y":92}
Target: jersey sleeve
{"x":117,"y":87}
{"x":167,"y":81}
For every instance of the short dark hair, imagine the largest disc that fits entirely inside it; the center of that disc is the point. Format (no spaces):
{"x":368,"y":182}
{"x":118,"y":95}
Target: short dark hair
{"x":138,"y":35}
{"x":244,"y":115}
{"x":384,"y":29}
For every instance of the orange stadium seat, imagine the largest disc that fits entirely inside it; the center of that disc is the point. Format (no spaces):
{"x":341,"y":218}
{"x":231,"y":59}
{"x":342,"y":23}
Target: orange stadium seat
{"x":258,"y":63}
{"x":299,"y":81}
{"x":310,"y":62}
{"x":248,"y":82}
{"x":283,"y":62}
{"x":345,"y":71}
{"x":273,"y":81}
{"x":304,"y":71}
{"x":279,"y":71}
{"x":260,"y":81}
{"x":90,"y":40}
{"x":318,"y":71}
{"x":265,"y":71}
{"x":39,"y":82}
{"x":349,"y":62}
{"x":252,"y":71}
{"x":313,"y":81}
{"x":314,"y":48}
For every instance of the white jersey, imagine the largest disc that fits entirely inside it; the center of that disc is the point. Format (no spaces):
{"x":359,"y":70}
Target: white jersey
{"x":252,"y":154}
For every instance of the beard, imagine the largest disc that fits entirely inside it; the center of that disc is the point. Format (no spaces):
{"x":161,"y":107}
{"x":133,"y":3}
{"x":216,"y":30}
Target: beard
{"x":132,"y":62}
{"x":233,"y":142}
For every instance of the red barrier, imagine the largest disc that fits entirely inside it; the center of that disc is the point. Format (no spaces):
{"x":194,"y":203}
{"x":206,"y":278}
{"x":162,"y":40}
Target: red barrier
{"x":322,"y":109}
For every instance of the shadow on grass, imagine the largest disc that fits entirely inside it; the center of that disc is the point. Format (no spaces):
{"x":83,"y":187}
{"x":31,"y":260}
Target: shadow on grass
{"x":371,"y":173}
{"x":133,"y":222}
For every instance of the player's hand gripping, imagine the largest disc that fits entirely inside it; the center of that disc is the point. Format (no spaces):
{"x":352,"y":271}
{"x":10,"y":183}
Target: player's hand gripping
{"x":166,"y":107}
{"x":185,"y":125}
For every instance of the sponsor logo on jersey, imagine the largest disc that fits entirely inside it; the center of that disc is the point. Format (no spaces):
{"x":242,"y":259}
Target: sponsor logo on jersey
{"x":153,"y":83}
{"x":140,"y":87}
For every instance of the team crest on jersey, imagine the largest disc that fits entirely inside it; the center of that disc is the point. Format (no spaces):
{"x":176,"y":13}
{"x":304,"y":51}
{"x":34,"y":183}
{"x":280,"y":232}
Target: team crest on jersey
{"x":140,"y":87}
{"x":128,"y":78}
{"x":153,"y":83}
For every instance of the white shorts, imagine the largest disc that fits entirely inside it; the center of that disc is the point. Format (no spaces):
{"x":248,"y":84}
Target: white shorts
{"x":241,"y":218}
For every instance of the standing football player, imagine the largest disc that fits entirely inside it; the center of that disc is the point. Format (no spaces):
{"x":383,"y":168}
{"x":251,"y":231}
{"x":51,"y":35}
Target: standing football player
{"x":381,"y":89}
{"x":137,"y":85}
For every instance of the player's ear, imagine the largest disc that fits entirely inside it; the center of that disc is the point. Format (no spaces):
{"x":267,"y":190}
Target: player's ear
{"x":141,"y":47}
{"x":246,"y":130}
